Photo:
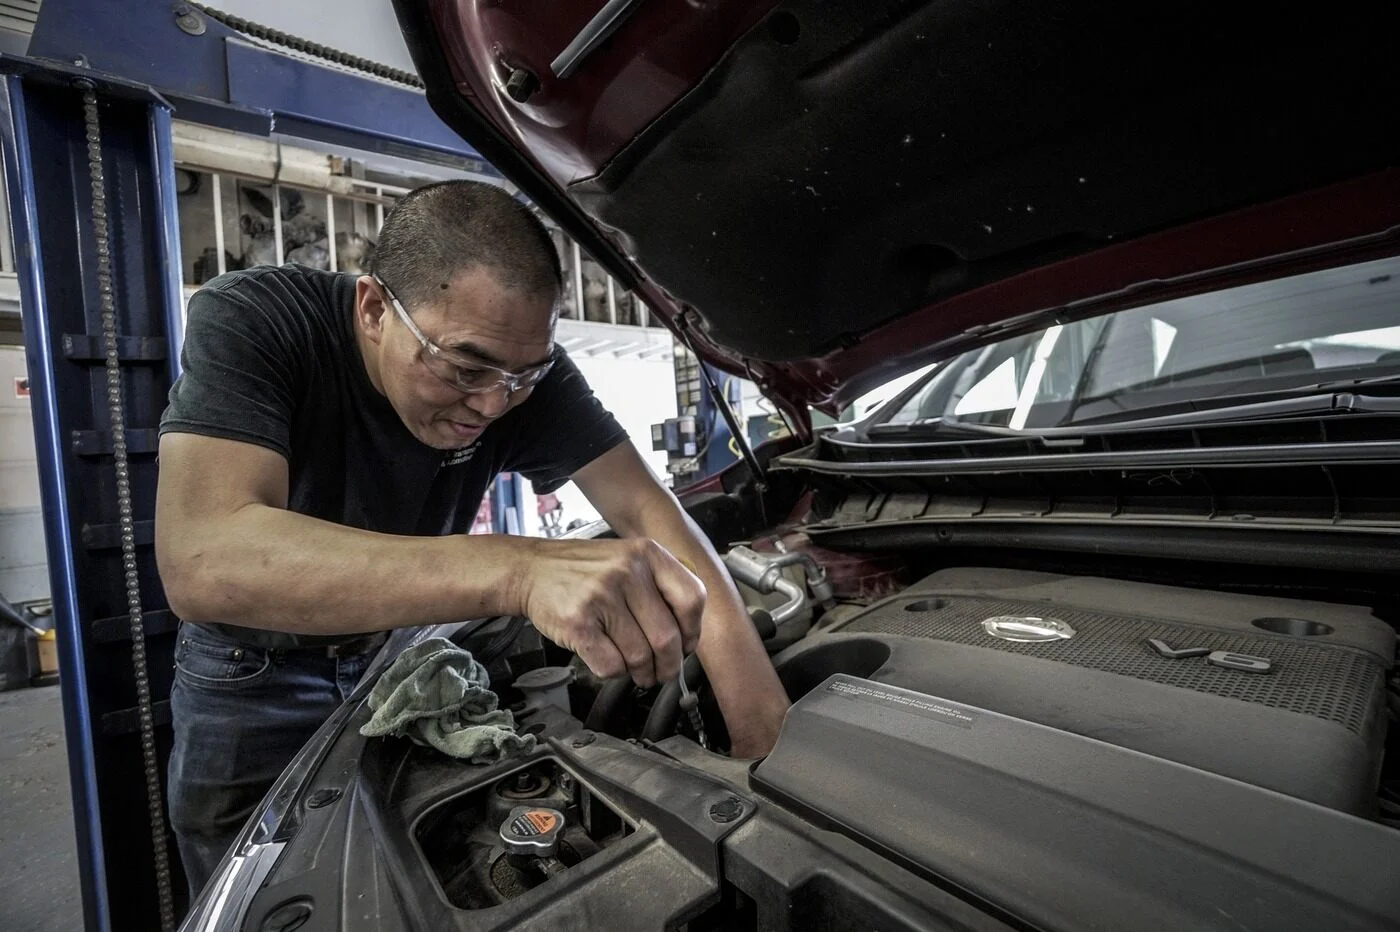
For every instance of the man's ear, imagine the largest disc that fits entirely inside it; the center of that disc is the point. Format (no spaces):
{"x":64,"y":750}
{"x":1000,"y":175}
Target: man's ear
{"x":370,"y":308}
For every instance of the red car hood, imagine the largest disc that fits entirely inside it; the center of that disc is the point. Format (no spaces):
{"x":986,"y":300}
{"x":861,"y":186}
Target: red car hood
{"x":822,"y":195}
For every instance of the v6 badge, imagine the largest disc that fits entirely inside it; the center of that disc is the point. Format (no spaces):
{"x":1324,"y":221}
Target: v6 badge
{"x":1245,"y":663}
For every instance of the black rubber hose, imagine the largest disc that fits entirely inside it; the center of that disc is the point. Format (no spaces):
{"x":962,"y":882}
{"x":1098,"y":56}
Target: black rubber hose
{"x":500,"y":643}
{"x":661,"y":721}
{"x":605,"y":708}
{"x":763,"y":623}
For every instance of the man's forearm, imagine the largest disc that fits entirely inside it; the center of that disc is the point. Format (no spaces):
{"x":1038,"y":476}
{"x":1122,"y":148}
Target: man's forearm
{"x":740,"y":673}
{"x":742,"y":677}
{"x":266,"y":567}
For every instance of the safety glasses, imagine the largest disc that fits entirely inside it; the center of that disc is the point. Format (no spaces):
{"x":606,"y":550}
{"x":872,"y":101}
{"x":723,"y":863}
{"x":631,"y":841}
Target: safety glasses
{"x":465,"y":376}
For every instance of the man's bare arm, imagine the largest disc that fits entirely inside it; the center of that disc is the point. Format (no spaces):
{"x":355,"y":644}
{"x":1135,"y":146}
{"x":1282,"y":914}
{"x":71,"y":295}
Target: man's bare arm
{"x":229,"y":551}
{"x":636,"y":505}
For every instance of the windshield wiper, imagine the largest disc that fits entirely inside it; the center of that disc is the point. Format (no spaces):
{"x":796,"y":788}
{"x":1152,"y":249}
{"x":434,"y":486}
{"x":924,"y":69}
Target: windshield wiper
{"x":1318,"y":405}
{"x":1322,"y":399}
{"x":1319,"y":398}
{"x":943,"y":427}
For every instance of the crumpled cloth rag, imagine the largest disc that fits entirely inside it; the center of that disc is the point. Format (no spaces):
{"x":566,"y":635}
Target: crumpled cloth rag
{"x":437,"y":695}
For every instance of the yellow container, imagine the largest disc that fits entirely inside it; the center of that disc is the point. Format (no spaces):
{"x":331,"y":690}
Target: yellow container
{"x":48,"y":652}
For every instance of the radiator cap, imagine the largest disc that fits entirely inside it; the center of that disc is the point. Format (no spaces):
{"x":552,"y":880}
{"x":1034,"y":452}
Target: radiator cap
{"x":532,"y":830}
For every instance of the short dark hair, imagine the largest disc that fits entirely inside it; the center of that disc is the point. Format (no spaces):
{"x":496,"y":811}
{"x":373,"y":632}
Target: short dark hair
{"x":438,"y":230}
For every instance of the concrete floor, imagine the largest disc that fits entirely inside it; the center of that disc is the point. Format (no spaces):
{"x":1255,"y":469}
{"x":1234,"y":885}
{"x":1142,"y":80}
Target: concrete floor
{"x":38,"y":855}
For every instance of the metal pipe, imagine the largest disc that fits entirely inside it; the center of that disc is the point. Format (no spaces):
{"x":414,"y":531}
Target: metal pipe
{"x":751,"y":568}
{"x":612,"y":300}
{"x":330,"y":231}
{"x":593,"y":34}
{"x":578,"y":281}
{"x":380,"y":190}
{"x":816,"y":574}
{"x":14,"y":616}
{"x":277,"y":223}
{"x":796,"y":600}
{"x":731,"y":420}
{"x":218,"y":188}
{"x":765,"y":574}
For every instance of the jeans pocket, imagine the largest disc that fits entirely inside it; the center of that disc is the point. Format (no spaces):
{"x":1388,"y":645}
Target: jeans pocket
{"x":209,"y":661}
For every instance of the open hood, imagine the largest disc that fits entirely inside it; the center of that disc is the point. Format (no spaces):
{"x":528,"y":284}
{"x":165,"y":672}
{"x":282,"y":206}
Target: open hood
{"x":823,"y":195}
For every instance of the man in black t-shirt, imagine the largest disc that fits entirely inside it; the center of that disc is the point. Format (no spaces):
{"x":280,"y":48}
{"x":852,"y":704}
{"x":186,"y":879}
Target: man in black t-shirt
{"x":322,"y":458}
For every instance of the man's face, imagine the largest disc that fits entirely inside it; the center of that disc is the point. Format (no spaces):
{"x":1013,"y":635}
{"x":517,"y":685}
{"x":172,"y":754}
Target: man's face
{"x":476,"y":320}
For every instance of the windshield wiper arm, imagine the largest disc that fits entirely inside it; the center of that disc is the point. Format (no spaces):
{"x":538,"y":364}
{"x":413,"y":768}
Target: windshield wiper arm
{"x":1256,"y":406}
{"x":1320,"y":399}
{"x":951,"y":428}
{"x":1081,"y":386}
{"x":1339,"y":384}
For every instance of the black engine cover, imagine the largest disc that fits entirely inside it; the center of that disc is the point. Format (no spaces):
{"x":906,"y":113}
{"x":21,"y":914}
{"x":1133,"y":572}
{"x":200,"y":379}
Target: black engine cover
{"x":1058,"y":832}
{"x":1311,"y":727}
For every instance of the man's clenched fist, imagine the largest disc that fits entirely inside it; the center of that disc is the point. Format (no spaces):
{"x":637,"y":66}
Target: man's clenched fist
{"x":624,"y":606}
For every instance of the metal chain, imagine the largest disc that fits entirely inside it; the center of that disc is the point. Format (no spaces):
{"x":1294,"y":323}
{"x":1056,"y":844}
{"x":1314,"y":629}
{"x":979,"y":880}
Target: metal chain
{"x":117,"y":411}
{"x":307,"y":47}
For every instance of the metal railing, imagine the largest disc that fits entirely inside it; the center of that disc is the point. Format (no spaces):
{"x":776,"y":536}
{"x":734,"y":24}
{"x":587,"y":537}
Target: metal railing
{"x":333,"y":221}
{"x":208,"y":232}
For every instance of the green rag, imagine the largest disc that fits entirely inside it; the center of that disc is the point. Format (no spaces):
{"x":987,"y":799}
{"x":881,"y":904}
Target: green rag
{"x":437,"y":695}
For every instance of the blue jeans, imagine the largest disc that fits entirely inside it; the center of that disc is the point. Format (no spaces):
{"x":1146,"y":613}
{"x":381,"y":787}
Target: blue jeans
{"x":240,"y":715}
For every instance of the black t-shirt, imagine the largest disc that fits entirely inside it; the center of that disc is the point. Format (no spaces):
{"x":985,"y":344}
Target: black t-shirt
{"x":270,"y":358}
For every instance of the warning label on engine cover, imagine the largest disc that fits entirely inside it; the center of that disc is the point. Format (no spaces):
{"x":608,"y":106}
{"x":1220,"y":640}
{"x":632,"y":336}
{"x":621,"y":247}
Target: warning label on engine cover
{"x":923,"y":706}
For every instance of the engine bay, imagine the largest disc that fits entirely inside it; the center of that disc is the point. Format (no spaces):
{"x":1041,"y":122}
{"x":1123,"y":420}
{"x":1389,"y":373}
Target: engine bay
{"x":970,"y":747}
{"x":1148,"y":722}
{"x":1287,"y":694}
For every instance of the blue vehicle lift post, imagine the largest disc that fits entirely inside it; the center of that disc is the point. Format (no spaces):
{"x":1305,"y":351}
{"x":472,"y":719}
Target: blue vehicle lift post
{"x":46,"y":165}
{"x":143,"y":64}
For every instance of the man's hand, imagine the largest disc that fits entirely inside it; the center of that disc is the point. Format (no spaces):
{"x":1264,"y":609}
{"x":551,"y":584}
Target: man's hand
{"x":638,"y":507}
{"x":624,"y":606}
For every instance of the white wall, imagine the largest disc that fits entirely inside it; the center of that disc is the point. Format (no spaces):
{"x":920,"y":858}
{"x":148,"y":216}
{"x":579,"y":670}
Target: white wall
{"x":23,"y":562}
{"x":639,"y":393}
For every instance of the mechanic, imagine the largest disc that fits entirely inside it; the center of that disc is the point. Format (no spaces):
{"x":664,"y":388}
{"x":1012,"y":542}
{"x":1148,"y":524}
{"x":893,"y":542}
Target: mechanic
{"x":324,"y":453}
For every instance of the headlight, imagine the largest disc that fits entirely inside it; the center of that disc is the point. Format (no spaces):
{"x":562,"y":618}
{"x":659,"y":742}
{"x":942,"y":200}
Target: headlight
{"x":223,"y":904}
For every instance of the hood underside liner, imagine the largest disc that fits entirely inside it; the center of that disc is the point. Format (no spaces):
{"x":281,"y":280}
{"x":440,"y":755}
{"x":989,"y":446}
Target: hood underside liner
{"x":820,"y":198}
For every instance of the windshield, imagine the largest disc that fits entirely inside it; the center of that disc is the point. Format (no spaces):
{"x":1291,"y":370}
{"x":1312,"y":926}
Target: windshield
{"x":1323,"y":326}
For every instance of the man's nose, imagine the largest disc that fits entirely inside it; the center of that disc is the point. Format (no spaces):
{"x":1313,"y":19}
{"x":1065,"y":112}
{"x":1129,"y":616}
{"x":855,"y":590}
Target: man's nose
{"x":490,"y":404}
